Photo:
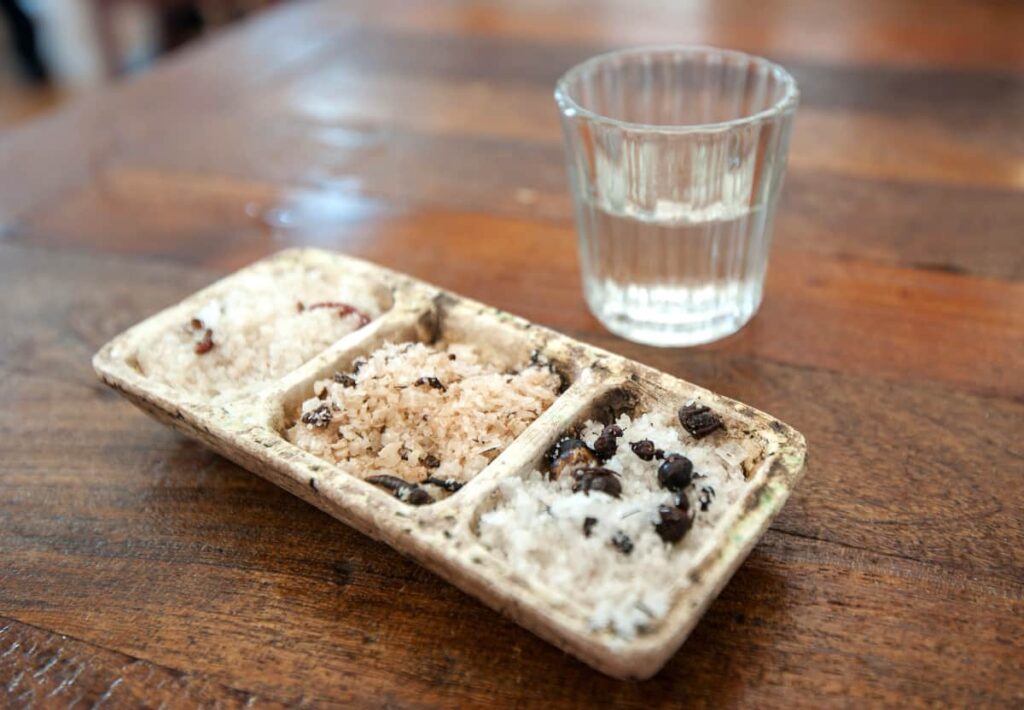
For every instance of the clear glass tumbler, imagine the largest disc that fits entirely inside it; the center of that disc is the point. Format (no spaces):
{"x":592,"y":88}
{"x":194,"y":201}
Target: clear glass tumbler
{"x":676,"y":157}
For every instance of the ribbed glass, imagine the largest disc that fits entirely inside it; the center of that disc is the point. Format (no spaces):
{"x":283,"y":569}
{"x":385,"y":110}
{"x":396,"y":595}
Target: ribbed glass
{"x":676,"y":157}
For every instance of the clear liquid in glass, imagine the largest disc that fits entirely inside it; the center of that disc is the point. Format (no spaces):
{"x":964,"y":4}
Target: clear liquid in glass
{"x":676,"y":279}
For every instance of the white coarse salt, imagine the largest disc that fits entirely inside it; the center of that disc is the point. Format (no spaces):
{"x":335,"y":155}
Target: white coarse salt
{"x":538,"y":528}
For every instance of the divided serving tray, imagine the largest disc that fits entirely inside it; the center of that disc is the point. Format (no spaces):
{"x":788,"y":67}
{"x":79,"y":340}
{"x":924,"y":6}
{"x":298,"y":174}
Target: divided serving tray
{"x":248,"y":421}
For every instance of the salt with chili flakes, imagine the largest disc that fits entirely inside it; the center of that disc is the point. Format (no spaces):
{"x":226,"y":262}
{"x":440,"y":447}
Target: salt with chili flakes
{"x":253,"y":332}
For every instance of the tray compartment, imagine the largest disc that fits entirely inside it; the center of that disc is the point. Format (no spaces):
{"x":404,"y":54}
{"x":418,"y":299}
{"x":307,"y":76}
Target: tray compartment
{"x":244,"y":332}
{"x":584,"y":553}
{"x":405,"y":401}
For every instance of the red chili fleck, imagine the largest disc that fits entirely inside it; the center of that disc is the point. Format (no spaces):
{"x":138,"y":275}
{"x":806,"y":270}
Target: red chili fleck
{"x":344,"y":309}
{"x":206,"y":344}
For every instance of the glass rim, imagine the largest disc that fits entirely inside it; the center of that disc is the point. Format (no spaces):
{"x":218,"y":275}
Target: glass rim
{"x":567,"y":104}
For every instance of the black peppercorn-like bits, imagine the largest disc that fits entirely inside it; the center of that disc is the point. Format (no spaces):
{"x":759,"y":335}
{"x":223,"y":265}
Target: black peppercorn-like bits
{"x":676,"y":472}
{"x":431,"y":382}
{"x":707,"y":494}
{"x":344,"y":380}
{"x":622,"y":543}
{"x":699,"y":420}
{"x":588,"y":526}
{"x":319,"y":418}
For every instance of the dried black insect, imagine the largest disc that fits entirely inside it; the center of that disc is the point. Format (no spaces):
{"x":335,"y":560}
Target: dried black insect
{"x":607,"y":443}
{"x":588,"y":526}
{"x":319,"y":417}
{"x":431,"y":382}
{"x":646,"y":451}
{"x":707,"y":494}
{"x":699,"y":420}
{"x":622,"y":542}
{"x":570,"y":454}
{"x":565,"y":444}
{"x":676,"y":472}
{"x":431,"y":461}
{"x":604,"y":480}
{"x":643,"y":449}
{"x":403,"y":490}
{"x":448,"y":484}
{"x":673,"y":521}
{"x":344,"y":380}
{"x":392,"y":483}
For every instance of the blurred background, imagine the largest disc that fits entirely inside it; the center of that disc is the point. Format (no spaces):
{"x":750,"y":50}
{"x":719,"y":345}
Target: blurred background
{"x":52,"y":49}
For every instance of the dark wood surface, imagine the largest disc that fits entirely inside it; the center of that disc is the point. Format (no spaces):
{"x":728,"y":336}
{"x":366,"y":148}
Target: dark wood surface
{"x":136,"y":568}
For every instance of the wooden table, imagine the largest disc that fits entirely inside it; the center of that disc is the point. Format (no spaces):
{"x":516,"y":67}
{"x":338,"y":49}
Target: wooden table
{"x":136,"y":566}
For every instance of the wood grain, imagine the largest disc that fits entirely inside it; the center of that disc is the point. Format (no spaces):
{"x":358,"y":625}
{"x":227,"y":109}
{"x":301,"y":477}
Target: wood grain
{"x":44,"y":669}
{"x":915,"y":33}
{"x":910,"y":312}
{"x":824,"y":215}
{"x":137,"y":569}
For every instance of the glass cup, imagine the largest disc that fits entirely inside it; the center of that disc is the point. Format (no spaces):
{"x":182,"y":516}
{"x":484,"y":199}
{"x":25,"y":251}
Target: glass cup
{"x":676,"y":157}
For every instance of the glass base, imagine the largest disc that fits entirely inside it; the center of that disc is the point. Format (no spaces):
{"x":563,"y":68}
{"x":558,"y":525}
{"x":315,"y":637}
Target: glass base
{"x":683,"y":332}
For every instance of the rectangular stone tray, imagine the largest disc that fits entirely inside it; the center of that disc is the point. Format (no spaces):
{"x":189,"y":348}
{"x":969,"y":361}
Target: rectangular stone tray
{"x":246,"y":428}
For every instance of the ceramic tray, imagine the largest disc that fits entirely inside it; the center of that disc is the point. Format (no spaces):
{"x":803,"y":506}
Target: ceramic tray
{"x":247,"y":428}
